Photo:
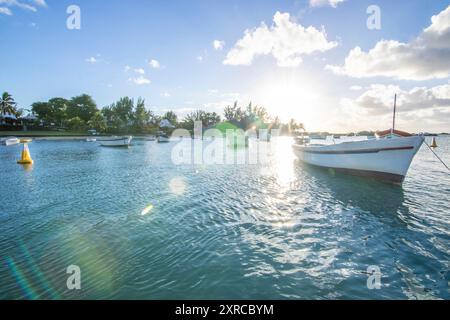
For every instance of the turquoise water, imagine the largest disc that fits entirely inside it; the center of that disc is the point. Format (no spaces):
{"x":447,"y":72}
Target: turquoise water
{"x":280,"y":230}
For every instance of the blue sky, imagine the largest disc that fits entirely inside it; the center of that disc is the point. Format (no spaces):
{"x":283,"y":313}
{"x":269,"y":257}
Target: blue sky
{"x":110,"y":56}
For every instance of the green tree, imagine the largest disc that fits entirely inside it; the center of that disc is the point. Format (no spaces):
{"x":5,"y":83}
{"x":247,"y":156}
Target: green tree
{"x":53,"y":111}
{"x":233,"y":114}
{"x":276,"y":123}
{"x":293,"y":125}
{"x":76,"y":124}
{"x":141,"y":116}
{"x":7,"y":104}
{"x":171,"y":116}
{"x":58,"y":107}
{"x":120,"y":115}
{"x":42,"y":110}
{"x":208,"y":119}
{"x":97,"y":122}
{"x":123,"y":110}
{"x":83,"y":107}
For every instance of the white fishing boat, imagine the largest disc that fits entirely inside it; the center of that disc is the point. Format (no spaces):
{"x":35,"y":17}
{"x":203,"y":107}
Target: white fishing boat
{"x":91,"y":139}
{"x":387,"y":157}
{"x":162,"y":138}
{"x":115,"y":141}
{"x":10,"y":141}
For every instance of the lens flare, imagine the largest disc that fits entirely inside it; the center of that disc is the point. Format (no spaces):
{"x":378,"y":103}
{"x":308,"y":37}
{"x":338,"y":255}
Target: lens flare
{"x":177,"y":186}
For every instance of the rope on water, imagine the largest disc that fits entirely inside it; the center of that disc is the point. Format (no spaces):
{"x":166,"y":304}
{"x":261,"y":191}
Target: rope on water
{"x":436,"y":155}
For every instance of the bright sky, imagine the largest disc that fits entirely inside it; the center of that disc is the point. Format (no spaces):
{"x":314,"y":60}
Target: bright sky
{"x":313,"y":60}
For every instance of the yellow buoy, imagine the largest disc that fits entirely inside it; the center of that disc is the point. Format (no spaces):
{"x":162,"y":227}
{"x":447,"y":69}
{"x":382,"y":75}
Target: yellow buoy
{"x":433,"y":143}
{"x":26,"y":158}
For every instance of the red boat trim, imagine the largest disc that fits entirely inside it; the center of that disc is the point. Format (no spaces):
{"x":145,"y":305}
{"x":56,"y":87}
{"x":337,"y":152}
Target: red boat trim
{"x":357,"y":151}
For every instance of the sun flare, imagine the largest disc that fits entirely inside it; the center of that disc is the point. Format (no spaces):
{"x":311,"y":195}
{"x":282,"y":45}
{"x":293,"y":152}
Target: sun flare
{"x":292,"y":98}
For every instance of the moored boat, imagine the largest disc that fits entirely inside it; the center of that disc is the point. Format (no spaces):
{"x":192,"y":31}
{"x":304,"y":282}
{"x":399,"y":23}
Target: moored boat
{"x":385,"y":158}
{"x":11,"y":141}
{"x":91,"y":139}
{"x":116,"y":141}
{"x":162,"y":138}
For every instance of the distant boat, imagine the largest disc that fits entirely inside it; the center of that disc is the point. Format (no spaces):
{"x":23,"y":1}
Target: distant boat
{"x":116,"y":141}
{"x":11,"y":141}
{"x":150,"y":138}
{"x":387,"y":157}
{"x":162,"y":138}
{"x":91,"y":139}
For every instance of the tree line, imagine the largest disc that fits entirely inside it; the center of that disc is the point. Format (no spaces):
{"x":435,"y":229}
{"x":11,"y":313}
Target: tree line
{"x":127,"y":115}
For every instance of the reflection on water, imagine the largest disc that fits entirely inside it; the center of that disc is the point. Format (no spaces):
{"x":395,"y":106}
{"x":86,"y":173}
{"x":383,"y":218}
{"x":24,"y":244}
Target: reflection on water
{"x":140,"y":227}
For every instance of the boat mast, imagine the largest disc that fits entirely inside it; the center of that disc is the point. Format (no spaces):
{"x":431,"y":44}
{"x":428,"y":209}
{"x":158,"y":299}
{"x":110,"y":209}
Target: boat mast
{"x":393,"y":117}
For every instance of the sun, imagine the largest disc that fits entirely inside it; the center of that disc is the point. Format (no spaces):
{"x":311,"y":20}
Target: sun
{"x":290,"y":98}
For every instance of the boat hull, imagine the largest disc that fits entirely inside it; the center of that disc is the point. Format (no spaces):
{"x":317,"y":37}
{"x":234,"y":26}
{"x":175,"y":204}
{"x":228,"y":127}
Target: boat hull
{"x":11,"y":141}
{"x":116,"y":142}
{"x":383,"y":159}
{"x":161,"y":139}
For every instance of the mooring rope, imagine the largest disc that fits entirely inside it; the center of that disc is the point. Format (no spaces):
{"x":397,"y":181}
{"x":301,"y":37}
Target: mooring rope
{"x":436,"y":155}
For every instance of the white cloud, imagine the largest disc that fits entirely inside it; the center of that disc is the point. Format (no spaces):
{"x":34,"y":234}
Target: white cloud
{"x":19,"y":4}
{"x":285,"y":40}
{"x":165,"y":94}
{"x":199,"y":58}
{"x":6,"y":11}
{"x":154,"y":63}
{"x":420,"y":109}
{"x":425,"y":57}
{"x":139,"y":71}
{"x":91,"y":60}
{"x":321,"y":3}
{"x":355,"y":88}
{"x":141,"y":80}
{"x":41,"y":3}
{"x":127,"y":68}
{"x":379,"y":98}
{"x":218,"y":45}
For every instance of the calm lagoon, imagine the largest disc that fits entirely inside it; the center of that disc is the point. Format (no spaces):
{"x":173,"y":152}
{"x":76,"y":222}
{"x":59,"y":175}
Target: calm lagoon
{"x":278,"y":230}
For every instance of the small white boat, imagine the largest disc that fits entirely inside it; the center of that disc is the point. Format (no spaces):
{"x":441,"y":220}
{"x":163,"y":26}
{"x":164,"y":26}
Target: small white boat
{"x":116,"y":141}
{"x":11,"y":141}
{"x":387,"y":157}
{"x":91,"y":139}
{"x":162,"y":138}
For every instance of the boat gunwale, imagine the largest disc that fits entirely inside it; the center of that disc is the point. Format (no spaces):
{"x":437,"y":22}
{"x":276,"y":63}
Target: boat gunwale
{"x":118,"y":139}
{"x":355,"y":151}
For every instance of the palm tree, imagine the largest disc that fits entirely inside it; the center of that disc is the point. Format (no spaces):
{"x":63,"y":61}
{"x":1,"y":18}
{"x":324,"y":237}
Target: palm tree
{"x":7,"y":104}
